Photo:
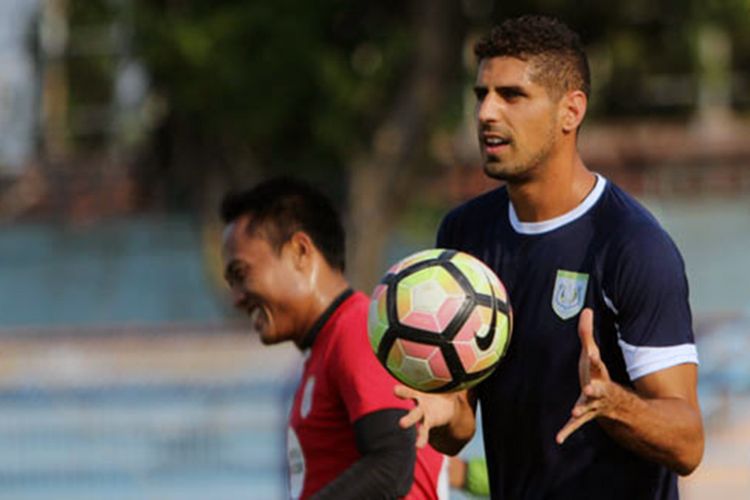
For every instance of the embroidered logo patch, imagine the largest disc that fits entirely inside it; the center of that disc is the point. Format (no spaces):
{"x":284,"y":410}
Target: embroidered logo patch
{"x":296,"y":460}
{"x":569,"y":294}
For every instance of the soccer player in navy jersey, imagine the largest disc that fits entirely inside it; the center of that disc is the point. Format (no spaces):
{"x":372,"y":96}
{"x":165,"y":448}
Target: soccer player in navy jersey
{"x":596,"y":397}
{"x":284,"y":261}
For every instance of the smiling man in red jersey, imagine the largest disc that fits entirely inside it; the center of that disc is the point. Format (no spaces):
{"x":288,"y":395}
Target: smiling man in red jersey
{"x":284,"y":261}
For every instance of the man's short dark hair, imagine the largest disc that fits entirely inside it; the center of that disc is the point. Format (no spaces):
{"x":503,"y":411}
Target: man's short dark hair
{"x":282,"y":206}
{"x":553,"y":48}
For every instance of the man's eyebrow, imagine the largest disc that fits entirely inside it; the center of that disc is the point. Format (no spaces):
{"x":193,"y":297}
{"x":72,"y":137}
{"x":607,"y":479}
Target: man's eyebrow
{"x":515,"y":89}
{"x":512,"y":88}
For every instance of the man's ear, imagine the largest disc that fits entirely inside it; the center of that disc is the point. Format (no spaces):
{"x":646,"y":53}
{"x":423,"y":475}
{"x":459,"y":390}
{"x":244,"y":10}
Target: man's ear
{"x":572,"y":110}
{"x":302,"y":248}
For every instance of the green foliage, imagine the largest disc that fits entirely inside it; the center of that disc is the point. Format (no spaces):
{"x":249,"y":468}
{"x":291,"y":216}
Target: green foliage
{"x":294,"y":86}
{"x":298,"y":83}
{"x":638,"y":44}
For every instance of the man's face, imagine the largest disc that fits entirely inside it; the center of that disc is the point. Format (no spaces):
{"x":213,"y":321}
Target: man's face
{"x":265,"y":284}
{"x":516,"y":118}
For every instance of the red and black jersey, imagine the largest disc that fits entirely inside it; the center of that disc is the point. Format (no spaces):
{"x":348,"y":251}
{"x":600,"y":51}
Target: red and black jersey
{"x":343,"y":381}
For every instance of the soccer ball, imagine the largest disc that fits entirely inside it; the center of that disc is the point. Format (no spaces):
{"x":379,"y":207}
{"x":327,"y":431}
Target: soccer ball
{"x":439,"y":321}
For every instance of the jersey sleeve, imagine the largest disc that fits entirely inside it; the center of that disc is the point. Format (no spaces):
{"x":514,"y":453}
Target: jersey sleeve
{"x":650,"y":301}
{"x":365,"y":386}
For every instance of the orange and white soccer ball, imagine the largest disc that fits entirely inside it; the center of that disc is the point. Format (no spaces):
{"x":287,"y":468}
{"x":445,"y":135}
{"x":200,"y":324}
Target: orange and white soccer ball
{"x":440,"y":321}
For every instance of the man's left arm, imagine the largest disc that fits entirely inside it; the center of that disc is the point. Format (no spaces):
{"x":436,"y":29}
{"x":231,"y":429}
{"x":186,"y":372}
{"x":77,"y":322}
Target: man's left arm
{"x":386,"y":467}
{"x":660,"y":420}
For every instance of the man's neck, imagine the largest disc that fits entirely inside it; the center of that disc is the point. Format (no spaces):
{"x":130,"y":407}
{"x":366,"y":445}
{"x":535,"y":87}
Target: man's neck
{"x":554,"y":191}
{"x":328,"y":288}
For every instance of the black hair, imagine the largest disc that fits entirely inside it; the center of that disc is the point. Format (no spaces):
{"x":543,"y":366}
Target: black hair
{"x":282,"y":206}
{"x":555,"y":50}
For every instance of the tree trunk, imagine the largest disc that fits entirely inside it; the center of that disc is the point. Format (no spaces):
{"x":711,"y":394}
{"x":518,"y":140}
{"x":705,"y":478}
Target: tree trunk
{"x":381,"y":179}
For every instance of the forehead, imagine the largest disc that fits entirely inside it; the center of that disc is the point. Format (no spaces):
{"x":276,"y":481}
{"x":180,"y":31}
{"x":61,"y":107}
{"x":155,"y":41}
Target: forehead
{"x":237,"y":240}
{"x":505,"y":71}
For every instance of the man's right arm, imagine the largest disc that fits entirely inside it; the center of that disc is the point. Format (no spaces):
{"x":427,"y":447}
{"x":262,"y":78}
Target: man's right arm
{"x":447,"y":421}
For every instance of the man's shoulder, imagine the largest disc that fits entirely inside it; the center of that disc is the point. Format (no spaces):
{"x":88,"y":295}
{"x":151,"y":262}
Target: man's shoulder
{"x":475,"y":213}
{"x":347,"y":328}
{"x":467,"y":222}
{"x":354,"y":308}
{"x":627,"y":220}
{"x":494,"y":198}
{"x":633,"y":234}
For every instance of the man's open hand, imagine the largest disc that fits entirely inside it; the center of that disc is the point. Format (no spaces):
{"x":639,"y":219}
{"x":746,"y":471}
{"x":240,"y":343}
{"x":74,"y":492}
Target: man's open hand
{"x":431,"y":410}
{"x":597,"y":389}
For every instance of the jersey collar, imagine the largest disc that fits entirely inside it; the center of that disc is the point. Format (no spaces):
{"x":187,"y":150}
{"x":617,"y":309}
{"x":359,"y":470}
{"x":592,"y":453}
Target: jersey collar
{"x":546,"y":226}
{"x":309,"y":338}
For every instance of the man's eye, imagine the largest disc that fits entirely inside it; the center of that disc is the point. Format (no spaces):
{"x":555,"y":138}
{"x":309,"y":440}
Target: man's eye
{"x":480,"y":94}
{"x":511,"y":94}
{"x":235,"y":277}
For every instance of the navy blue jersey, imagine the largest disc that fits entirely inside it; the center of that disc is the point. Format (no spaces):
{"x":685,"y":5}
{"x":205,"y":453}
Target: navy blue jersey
{"x":611,"y":255}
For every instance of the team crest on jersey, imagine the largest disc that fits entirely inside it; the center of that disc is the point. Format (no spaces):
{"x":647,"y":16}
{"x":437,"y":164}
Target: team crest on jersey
{"x":296,"y":460}
{"x":569,"y":294}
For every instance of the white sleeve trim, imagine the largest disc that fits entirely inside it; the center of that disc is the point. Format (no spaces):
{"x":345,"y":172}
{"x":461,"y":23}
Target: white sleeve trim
{"x":641,"y":361}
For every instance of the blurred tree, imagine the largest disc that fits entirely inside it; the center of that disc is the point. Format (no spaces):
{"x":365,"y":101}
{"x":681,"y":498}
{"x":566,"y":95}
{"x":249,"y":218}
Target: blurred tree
{"x":344,"y":94}
{"x":649,"y":56}
{"x":383,"y":175}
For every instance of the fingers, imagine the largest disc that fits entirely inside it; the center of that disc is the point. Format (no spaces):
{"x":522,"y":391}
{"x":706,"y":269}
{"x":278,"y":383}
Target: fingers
{"x":404,"y":392}
{"x":595,"y":390}
{"x":416,"y":415}
{"x":573,"y":425}
{"x":412,"y":418}
{"x":592,"y":372}
{"x":590,"y":406}
{"x":423,"y":436}
{"x":597,"y":368}
{"x":586,"y":331}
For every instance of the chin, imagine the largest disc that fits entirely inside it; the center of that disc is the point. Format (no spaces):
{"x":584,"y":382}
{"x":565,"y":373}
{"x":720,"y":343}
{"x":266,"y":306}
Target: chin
{"x":499,"y":174}
{"x":266,"y":338}
{"x":493,"y":173}
{"x":268,"y":341}
{"x":508,"y":174}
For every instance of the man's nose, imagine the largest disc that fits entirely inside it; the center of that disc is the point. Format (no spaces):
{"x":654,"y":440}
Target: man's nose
{"x":488,"y":109}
